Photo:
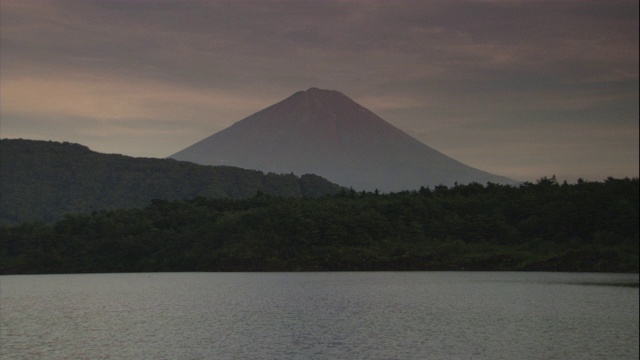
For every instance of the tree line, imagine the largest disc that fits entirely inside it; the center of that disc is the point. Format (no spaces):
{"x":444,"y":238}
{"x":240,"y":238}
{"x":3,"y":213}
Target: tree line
{"x":541,"y":226}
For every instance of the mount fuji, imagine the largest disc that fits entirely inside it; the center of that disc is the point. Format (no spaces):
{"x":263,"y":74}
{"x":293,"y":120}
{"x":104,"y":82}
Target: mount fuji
{"x":324,"y":132}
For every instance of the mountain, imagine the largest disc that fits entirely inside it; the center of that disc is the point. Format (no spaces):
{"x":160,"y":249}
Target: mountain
{"x":44,"y":180}
{"x":326,"y":133}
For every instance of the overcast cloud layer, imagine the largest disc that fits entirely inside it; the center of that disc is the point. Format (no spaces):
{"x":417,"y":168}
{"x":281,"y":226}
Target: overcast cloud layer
{"x":523,"y":89}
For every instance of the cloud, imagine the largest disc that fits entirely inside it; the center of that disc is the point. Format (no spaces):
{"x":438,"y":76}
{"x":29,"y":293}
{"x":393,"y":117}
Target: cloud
{"x":105,"y":98}
{"x":232,"y":43}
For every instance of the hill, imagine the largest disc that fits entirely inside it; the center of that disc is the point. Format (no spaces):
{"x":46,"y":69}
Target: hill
{"x":43,"y":181}
{"x":326,"y":133}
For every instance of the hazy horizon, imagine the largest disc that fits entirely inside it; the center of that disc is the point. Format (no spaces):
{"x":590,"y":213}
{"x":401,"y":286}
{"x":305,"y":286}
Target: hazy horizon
{"x":515,"y":88}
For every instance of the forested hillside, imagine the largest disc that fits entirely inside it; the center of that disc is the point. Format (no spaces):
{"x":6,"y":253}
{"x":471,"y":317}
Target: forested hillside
{"x":44,"y":180}
{"x":588,"y":226}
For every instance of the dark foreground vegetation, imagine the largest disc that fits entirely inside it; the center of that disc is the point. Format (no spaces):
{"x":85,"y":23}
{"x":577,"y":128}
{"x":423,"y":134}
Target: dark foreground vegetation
{"x":588,"y":226}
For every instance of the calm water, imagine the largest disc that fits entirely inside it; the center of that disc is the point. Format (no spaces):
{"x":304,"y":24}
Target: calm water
{"x":370,"y":315}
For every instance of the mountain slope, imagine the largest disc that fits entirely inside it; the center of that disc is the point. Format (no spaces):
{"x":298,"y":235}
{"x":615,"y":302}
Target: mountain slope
{"x":326,"y":133}
{"x":44,"y":180}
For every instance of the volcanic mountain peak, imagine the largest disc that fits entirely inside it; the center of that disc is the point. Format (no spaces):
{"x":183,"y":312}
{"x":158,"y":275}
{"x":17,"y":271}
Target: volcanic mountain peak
{"x":319,"y":96}
{"x":324,"y":132}
{"x":317,"y":113}
{"x":315,"y":105}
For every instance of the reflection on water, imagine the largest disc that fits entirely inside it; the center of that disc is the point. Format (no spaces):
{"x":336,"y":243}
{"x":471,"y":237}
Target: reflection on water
{"x":368,"y":315}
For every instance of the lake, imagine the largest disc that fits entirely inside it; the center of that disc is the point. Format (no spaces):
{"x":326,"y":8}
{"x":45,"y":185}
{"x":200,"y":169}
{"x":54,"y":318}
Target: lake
{"x":341,"y":315}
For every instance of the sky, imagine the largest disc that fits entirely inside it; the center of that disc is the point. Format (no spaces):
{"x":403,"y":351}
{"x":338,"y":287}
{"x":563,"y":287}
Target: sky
{"x":524,"y":89}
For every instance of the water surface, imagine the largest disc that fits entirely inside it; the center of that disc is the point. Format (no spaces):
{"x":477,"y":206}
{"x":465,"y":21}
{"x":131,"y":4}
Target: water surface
{"x":359,"y":315}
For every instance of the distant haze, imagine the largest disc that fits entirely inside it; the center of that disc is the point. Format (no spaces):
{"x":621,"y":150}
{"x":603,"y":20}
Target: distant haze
{"x":326,"y":133}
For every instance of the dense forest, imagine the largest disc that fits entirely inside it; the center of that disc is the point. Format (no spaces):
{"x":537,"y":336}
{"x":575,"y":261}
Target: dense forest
{"x":587,"y":226}
{"x":44,"y":180}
